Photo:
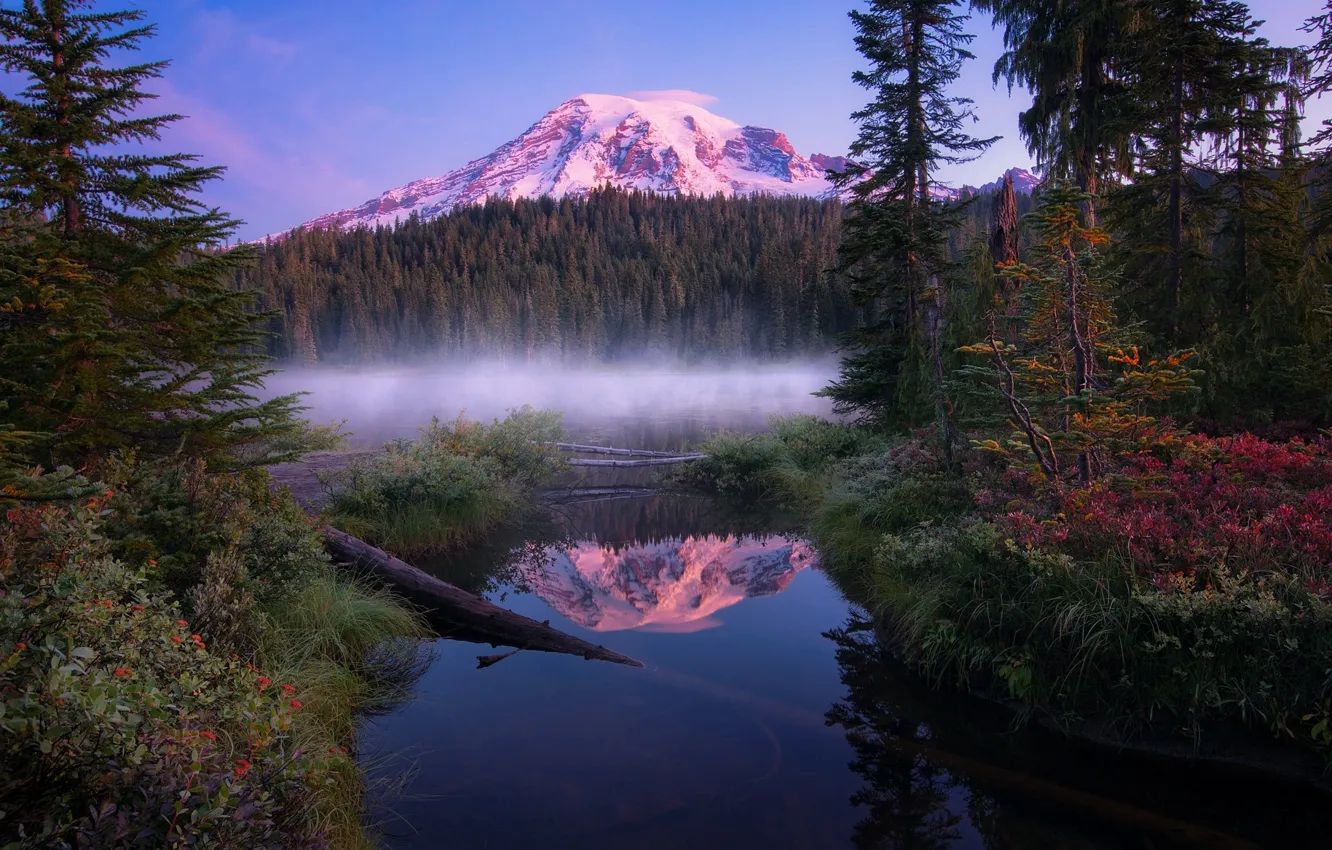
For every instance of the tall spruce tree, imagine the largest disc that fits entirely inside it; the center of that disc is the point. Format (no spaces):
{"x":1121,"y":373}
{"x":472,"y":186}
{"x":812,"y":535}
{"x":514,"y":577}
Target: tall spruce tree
{"x":1181,"y":64}
{"x":1265,"y":307}
{"x":896,"y":234}
{"x":118,"y":327}
{"x":1065,"y":54}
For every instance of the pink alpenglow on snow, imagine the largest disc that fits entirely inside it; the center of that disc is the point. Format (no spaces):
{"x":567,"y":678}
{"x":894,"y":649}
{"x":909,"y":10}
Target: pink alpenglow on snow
{"x":674,"y":585}
{"x":665,"y":146}
{"x":671,"y":147}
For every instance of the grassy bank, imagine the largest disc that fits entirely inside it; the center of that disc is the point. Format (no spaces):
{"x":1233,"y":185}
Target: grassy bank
{"x":1186,"y":594}
{"x":452,"y":485}
{"x":180,"y":665}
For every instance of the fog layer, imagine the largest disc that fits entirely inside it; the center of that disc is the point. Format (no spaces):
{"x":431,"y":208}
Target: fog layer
{"x":651,"y":405}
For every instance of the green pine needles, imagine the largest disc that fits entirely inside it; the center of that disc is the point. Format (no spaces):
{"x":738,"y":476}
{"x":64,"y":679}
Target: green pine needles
{"x":117,"y":326}
{"x":895,"y":238}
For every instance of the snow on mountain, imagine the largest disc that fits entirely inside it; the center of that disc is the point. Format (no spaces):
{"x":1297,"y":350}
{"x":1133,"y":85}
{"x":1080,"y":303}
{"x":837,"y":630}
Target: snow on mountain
{"x":675,"y":585}
{"x":662,"y":146}
{"x":1024,"y":182}
{"x":659,"y":146}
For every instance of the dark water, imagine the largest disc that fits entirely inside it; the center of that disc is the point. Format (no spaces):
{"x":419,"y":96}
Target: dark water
{"x":766,"y":717}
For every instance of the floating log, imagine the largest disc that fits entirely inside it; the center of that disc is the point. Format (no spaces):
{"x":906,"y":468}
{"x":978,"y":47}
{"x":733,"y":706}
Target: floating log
{"x":589,"y":494}
{"x":607,"y":450}
{"x":619,"y":464}
{"x":457,"y":614}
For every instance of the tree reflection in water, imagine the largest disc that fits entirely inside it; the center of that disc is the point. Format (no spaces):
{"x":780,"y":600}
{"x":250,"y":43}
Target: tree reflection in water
{"x":944,"y":771}
{"x":913,"y":804}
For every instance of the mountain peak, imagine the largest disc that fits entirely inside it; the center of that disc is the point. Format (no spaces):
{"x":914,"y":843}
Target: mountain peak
{"x":666,"y":146}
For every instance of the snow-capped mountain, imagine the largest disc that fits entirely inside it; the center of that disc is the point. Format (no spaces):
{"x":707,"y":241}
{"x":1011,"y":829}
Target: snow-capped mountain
{"x":662,"y":146}
{"x":674,"y":585}
{"x":1024,"y":182}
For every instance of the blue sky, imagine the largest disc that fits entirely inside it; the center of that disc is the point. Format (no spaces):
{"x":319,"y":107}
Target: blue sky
{"x":316,"y":105}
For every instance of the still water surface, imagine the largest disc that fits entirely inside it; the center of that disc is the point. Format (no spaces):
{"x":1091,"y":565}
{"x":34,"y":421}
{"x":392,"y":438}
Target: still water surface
{"x":766,"y":717}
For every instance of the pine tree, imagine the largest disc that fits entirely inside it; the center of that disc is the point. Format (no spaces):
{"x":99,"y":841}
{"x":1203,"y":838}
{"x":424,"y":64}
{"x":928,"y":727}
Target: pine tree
{"x":120,"y":328}
{"x":1074,"y":389}
{"x":895,"y":236}
{"x":1181,"y":64}
{"x":1065,"y":54}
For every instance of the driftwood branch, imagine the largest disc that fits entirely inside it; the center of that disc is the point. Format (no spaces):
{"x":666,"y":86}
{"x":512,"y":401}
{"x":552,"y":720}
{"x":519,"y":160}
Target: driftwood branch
{"x":655,"y":461}
{"x":454,"y":612}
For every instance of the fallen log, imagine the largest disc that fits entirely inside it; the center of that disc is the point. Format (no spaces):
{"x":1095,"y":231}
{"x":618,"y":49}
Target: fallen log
{"x":607,"y":450}
{"x":457,"y":614}
{"x":620,"y":464}
{"x":584,"y":494}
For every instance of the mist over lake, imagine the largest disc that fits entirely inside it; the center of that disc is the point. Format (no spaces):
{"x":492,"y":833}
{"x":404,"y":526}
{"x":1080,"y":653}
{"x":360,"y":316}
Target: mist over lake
{"x":386,"y":403}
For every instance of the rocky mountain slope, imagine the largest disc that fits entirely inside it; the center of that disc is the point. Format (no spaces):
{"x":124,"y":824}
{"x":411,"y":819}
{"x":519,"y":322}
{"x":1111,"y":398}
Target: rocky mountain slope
{"x":669,"y":147}
{"x":675,"y":585}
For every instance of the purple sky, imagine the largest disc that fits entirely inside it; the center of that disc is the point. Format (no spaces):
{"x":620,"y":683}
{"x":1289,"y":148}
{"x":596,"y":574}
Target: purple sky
{"x":317,"y":105}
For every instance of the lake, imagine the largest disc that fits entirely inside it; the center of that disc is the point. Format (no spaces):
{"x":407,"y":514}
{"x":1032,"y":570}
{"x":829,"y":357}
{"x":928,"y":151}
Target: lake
{"x":767,"y":716}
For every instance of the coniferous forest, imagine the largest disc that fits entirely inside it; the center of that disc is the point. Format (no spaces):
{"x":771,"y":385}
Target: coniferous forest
{"x":1082,"y":472}
{"x":611,"y":277}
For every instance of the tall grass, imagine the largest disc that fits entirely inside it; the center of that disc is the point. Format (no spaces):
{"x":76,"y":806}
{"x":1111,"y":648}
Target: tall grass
{"x":348,"y":650}
{"x":790,"y":466}
{"x":455,"y":483}
{"x":1079,"y":640}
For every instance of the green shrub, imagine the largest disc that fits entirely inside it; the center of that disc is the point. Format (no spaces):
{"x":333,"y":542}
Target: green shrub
{"x":174,"y":515}
{"x":788,"y":466}
{"x":813,"y":443}
{"x":887,"y":492}
{"x":518,"y":446}
{"x":281,"y":548}
{"x":454,"y":484}
{"x":1079,"y":639}
{"x":742,"y":465}
{"x":117,"y":725}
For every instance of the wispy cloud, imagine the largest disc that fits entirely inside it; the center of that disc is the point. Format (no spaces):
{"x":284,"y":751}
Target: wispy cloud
{"x":270,"y":175}
{"x":682,"y":95}
{"x":273,"y":47}
{"x":221,"y":34}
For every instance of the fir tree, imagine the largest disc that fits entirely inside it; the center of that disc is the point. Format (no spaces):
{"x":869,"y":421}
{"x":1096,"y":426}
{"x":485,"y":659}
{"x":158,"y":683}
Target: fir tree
{"x":1180,"y":67}
{"x":1074,"y":389}
{"x":895,"y":238}
{"x":120,"y":329}
{"x":1065,"y":53}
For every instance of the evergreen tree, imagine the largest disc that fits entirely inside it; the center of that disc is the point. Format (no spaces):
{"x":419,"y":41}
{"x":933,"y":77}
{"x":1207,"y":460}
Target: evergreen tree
{"x":1065,"y":54}
{"x":584,"y":279}
{"x":1074,"y":390}
{"x":1180,"y":67}
{"x":894,"y":247}
{"x":119,"y":327}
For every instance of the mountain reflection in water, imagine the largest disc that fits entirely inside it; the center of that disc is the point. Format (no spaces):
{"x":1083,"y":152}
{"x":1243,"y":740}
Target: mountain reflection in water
{"x":790,"y":728}
{"x":671,"y":585}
